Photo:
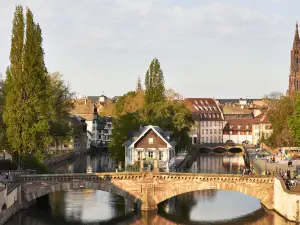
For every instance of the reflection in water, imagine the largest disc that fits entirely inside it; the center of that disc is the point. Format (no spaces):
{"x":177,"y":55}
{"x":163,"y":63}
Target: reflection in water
{"x":215,"y":163}
{"x":88,"y":207}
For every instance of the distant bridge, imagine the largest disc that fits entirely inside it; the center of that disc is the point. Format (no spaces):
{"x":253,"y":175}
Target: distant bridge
{"x":218,"y":148}
{"x":148,"y":189}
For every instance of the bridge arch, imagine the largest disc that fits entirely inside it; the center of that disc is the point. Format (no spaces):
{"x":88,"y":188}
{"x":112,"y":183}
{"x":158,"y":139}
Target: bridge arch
{"x":46,"y":189}
{"x":259,"y":188}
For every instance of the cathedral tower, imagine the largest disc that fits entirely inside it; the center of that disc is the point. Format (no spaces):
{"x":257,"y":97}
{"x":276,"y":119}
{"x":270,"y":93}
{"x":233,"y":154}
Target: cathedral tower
{"x":294,"y":78}
{"x":139,"y":84}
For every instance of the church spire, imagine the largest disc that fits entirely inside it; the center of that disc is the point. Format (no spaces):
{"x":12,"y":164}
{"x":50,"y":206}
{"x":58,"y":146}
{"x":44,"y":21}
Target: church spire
{"x":296,"y":38}
{"x":139,"y":84}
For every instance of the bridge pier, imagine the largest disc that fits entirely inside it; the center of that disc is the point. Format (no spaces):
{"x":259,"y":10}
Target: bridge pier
{"x":129,"y":206}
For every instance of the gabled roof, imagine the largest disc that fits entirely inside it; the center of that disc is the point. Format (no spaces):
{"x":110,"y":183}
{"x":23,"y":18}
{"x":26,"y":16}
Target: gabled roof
{"x":162,"y":134}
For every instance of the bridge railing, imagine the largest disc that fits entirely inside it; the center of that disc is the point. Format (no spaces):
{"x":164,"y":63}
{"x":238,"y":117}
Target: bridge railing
{"x":181,"y":170}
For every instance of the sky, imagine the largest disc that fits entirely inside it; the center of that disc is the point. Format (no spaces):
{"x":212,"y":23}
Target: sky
{"x":207,"y":48}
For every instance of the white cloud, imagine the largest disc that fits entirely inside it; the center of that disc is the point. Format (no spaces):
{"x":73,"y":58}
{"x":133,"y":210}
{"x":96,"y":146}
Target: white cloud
{"x":121,"y":24}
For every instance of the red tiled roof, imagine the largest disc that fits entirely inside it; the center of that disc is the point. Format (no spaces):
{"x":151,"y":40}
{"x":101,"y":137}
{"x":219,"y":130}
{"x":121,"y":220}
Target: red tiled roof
{"x":203,"y":108}
{"x":240,"y":124}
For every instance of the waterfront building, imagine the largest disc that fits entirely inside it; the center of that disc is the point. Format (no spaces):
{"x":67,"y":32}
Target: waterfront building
{"x":209,"y":120}
{"x":102,"y":129}
{"x":149,"y":143}
{"x":239,"y":130}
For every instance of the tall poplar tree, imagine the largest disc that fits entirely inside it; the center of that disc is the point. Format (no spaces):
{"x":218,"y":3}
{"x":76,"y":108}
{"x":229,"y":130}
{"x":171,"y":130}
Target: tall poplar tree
{"x":154,"y":83}
{"x":27,"y":109}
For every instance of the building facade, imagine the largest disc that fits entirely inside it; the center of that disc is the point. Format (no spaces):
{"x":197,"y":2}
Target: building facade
{"x":239,"y":131}
{"x":102,"y":129}
{"x":294,"y":77}
{"x":150,"y":142}
{"x":209,"y":120}
{"x":262,"y":129}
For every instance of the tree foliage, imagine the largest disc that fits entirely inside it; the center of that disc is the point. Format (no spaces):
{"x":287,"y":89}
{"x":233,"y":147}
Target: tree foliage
{"x":170,"y":116}
{"x":27,"y":109}
{"x":2,"y":125}
{"x":61,"y":103}
{"x":122,"y":126}
{"x":280,"y":111}
{"x":154,"y":83}
{"x":294,"y":120}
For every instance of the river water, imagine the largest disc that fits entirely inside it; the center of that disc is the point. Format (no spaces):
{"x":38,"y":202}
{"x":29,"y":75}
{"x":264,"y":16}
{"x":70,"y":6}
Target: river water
{"x":89,"y":207}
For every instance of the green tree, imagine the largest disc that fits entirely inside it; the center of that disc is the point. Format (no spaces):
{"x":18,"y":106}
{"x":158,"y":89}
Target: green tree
{"x":154,"y":83}
{"x":294,"y":121}
{"x":2,"y":125}
{"x":27,"y":109}
{"x":170,"y":116}
{"x":122,"y":127}
{"x":280,"y":110}
{"x":61,"y":103}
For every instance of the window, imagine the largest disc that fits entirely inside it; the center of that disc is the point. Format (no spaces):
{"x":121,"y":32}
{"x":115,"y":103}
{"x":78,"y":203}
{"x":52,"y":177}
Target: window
{"x":215,"y":123}
{"x":202,"y":131}
{"x":203,"y":123}
{"x":210,"y":131}
{"x":139,"y":155}
{"x":150,"y":154}
{"x":195,"y":140}
{"x":160,"y":156}
{"x":206,"y":139}
{"x":65,"y":145}
{"x":210,"y":123}
{"x":220,"y":131}
{"x":206,"y":131}
{"x":215,"y":131}
{"x":202,"y":139}
{"x":150,"y":141}
{"x":207,"y":123}
{"x":211,"y":140}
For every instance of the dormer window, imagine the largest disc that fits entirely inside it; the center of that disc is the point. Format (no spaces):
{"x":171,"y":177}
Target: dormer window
{"x":150,"y":141}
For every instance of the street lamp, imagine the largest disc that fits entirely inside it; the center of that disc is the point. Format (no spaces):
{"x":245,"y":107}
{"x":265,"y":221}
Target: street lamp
{"x":30,"y":160}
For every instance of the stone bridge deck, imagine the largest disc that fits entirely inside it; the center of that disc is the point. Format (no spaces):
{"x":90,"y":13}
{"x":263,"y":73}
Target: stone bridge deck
{"x":148,"y":189}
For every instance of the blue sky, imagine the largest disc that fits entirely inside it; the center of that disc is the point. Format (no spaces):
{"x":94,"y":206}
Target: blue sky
{"x":225,"y":48}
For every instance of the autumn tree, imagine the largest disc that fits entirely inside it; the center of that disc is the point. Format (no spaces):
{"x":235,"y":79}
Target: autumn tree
{"x":154,"y":83}
{"x":27,"y":109}
{"x":280,"y":110}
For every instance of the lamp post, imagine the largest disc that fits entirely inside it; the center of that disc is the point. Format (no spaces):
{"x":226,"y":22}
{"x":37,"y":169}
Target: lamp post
{"x":30,"y":160}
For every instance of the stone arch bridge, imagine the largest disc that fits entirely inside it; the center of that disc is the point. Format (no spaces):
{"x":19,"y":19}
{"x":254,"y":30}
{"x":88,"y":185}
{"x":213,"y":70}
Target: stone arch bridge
{"x":148,"y":189}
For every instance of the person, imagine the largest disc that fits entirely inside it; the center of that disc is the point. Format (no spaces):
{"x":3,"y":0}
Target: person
{"x":6,"y":176}
{"x":288,"y":173}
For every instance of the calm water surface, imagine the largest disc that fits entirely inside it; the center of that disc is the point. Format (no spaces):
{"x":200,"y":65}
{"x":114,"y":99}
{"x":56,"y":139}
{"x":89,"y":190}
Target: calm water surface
{"x":89,"y":207}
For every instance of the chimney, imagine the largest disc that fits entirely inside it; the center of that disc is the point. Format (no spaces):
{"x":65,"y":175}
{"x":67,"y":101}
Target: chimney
{"x":85,"y":100}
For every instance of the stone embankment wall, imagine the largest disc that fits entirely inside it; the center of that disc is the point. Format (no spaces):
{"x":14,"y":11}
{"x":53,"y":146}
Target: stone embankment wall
{"x":286,"y":203}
